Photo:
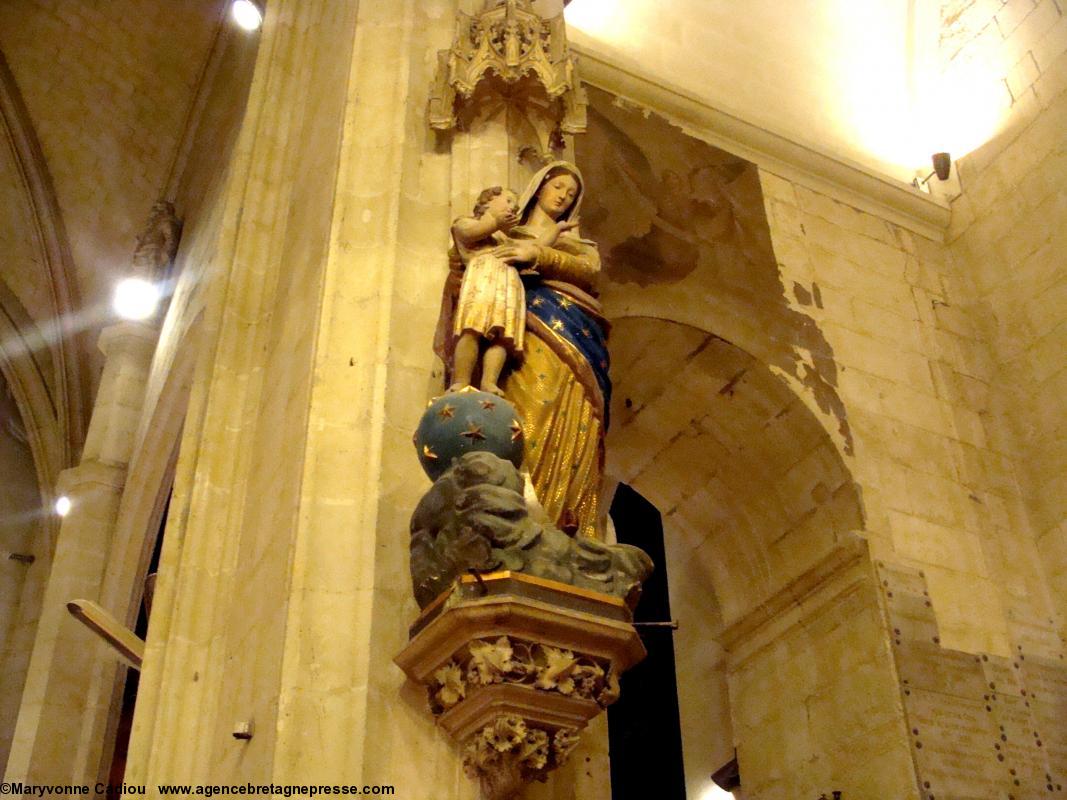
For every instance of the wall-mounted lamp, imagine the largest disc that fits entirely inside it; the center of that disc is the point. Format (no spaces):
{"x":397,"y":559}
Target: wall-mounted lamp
{"x":247,"y":13}
{"x":942,"y":168}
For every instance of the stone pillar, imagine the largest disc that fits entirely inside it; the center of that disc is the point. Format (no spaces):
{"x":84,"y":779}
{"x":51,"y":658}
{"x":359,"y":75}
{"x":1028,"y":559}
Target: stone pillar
{"x":283,"y":590}
{"x":814,"y":692}
{"x":51,"y":744}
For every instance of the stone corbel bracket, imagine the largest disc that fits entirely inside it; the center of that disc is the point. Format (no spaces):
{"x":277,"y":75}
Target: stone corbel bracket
{"x":509,"y":39}
{"x":515,"y":675}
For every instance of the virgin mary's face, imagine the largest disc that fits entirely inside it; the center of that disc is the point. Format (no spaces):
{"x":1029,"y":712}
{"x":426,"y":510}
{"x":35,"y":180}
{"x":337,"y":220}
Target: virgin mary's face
{"x":557,"y":195}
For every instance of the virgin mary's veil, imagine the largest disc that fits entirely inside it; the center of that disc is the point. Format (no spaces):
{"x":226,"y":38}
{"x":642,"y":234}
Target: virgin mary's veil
{"x":529,"y":194}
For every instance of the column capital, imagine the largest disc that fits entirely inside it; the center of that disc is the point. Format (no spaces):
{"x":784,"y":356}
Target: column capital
{"x":90,"y":473}
{"x":138,"y":338}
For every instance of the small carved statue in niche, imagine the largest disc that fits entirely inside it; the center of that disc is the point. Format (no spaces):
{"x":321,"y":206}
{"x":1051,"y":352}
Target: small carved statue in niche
{"x":492,"y":301}
{"x":158,"y":242}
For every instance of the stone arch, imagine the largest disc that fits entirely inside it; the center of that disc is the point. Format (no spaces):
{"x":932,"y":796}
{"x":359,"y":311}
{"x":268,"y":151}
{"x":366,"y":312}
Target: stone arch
{"x":753,"y":490}
{"x":726,"y":449}
{"x":51,"y":330}
{"x":33,"y":392}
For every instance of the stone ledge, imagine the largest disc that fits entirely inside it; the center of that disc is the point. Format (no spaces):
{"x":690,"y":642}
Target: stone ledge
{"x":521,"y":618}
{"x":544,"y":709}
{"x":841,"y":569}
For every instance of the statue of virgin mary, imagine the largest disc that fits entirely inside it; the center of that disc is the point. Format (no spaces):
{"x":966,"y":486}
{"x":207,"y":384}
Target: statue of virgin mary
{"x":561,"y":387}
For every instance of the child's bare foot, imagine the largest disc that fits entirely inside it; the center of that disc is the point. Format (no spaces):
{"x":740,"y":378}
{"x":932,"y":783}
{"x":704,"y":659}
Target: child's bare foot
{"x":457,"y":387}
{"x":492,"y":388}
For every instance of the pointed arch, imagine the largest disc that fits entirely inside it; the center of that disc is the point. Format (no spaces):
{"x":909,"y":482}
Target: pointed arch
{"x":43,"y":359}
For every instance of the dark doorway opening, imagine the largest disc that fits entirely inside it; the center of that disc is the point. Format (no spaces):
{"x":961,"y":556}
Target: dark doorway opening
{"x":133,"y":676}
{"x":644,"y":730}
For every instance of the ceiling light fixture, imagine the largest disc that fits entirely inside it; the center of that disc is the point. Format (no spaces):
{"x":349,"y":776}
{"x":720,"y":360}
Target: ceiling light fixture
{"x":247,"y":14}
{"x":63,"y":505}
{"x":136,"y":299}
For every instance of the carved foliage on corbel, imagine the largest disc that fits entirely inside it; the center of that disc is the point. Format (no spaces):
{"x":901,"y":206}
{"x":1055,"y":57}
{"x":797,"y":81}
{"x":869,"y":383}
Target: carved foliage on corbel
{"x":510,"y":40}
{"x":508,"y":753}
{"x":540,"y":666}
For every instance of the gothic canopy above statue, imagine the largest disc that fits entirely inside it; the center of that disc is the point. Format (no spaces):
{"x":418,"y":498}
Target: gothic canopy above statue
{"x":510,"y":40}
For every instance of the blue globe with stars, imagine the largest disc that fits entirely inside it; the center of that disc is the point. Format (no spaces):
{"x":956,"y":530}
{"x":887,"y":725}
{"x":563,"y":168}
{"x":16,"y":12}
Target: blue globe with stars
{"x":467,"y":421}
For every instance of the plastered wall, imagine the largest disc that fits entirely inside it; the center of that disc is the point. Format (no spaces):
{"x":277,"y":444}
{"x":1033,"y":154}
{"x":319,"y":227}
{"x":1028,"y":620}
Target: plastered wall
{"x":846,"y":65}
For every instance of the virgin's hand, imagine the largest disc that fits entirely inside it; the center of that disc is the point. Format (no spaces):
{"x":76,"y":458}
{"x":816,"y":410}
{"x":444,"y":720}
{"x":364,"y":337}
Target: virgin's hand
{"x":519,"y":253}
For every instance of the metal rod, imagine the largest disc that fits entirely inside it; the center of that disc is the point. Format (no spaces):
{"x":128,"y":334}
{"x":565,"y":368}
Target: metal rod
{"x":481,"y":583}
{"x":672,"y":624}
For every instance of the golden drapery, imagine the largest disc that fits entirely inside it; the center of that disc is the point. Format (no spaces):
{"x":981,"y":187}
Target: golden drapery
{"x":562,"y":430}
{"x":492,"y":303}
{"x":554,"y":389}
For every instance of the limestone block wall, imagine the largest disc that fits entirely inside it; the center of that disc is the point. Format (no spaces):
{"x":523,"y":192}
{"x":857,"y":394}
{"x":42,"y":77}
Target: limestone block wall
{"x":1007,"y":238}
{"x":870,"y":326}
{"x":937,"y":475}
{"x":1017,"y":40}
{"x":814,"y":694}
{"x":978,"y":724}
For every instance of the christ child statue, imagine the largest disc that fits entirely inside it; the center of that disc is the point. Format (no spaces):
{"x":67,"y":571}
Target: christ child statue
{"x":492,"y":303}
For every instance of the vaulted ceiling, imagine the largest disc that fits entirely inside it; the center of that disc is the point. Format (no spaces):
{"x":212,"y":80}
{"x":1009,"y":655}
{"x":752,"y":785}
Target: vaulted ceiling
{"x":106,"y":87}
{"x":94,"y":100}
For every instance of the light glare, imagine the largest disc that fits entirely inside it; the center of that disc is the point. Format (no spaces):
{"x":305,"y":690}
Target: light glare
{"x":136,"y":299}
{"x":246,"y":14}
{"x":63,"y":506}
{"x":714,"y":792}
{"x":602,"y":20}
{"x":967,"y":107}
